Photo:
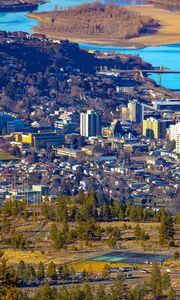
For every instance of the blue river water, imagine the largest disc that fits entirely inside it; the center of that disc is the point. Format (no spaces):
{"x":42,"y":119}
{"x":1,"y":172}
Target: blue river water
{"x":166,"y":55}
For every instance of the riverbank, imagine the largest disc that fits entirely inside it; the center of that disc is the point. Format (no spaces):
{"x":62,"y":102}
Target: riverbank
{"x":167,"y":33}
{"x":169,"y":30}
{"x":20,"y":6}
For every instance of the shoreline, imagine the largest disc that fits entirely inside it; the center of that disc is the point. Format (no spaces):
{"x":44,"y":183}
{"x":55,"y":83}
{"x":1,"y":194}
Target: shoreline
{"x":168,"y":32}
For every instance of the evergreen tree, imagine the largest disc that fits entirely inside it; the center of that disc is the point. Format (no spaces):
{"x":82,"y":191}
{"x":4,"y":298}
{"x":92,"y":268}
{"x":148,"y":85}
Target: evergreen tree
{"x":170,"y":231}
{"x":8,"y":281}
{"x":46,"y":293}
{"x":77,"y":293}
{"x":87,"y":292}
{"x":171,"y":294}
{"x":40,"y":271}
{"x":166,"y":230}
{"x":65,"y":273}
{"x":31,"y":274}
{"x":137,"y":232}
{"x":134,"y":294}
{"x":155,"y":281}
{"x":118,"y":290}
{"x":162,"y":231}
{"x":106,"y":270}
{"x":21,"y":271}
{"x":51,"y":271}
{"x":176,"y":255}
{"x":165,"y":281}
{"x":101,"y":294}
{"x":61,"y":211}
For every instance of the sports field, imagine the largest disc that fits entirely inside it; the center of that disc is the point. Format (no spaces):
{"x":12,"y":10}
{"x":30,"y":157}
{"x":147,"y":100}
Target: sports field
{"x":131,"y":257}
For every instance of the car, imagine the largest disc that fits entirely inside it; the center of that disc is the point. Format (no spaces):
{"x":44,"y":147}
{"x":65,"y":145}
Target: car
{"x":144,"y":271}
{"x":129,"y":275}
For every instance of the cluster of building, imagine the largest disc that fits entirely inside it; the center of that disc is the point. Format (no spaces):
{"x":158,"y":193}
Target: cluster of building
{"x":122,"y":160}
{"x":92,"y":133}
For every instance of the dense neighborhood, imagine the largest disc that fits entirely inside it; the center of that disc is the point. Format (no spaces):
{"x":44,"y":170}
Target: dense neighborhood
{"x":89,"y":174}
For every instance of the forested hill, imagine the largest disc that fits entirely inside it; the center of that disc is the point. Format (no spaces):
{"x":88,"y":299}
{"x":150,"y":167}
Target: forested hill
{"x":33,"y":68}
{"x":36,"y":56}
{"x":95,"y":20}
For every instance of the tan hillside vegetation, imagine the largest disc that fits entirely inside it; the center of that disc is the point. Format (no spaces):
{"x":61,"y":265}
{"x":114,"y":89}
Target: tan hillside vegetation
{"x":94,"y":21}
{"x":168,"y":3}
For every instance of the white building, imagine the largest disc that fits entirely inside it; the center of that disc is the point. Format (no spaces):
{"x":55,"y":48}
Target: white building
{"x":174,"y":134}
{"x":90,"y":124}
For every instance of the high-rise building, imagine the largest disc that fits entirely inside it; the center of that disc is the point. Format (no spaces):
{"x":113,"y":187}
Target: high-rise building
{"x":174,"y":134}
{"x":90,"y":124}
{"x":178,"y":144}
{"x":136,"y":111}
{"x":174,"y":130}
{"x":155,"y":129}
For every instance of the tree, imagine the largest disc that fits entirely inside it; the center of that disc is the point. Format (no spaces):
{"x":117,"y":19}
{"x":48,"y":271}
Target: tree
{"x":87,"y":292}
{"x":61,"y":212}
{"x":171,"y":294}
{"x":31,"y":274}
{"x":51,"y":271}
{"x":101,"y":294}
{"x":65,"y":273}
{"x":21,"y":271}
{"x":165,"y":281}
{"x":162,"y":231}
{"x":106,"y":270}
{"x":176,"y":255}
{"x":170,"y":231}
{"x":40,"y":271}
{"x":137,"y":232}
{"x":46,"y":293}
{"x":53,"y":231}
{"x":88,"y":231}
{"x":177,"y":218}
{"x":134,"y":294}
{"x":155,"y":281}
{"x":47,"y":211}
{"x":118,"y":289}
{"x":8,"y":280}
{"x":166,"y":230}
{"x":77,"y":293}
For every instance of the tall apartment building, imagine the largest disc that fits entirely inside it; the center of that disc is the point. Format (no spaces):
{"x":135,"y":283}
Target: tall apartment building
{"x":90,"y":124}
{"x":178,"y":144}
{"x":136,"y":111}
{"x":155,"y":129}
{"x":174,"y":134}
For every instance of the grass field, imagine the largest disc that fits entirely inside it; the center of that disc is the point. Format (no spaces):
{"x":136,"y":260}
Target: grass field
{"x":94,"y":266}
{"x":6,"y":156}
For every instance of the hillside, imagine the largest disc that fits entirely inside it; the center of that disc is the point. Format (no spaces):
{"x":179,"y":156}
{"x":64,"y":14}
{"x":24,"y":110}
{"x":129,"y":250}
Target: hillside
{"x":95,"y":21}
{"x":41,"y":68}
{"x":168,"y":3}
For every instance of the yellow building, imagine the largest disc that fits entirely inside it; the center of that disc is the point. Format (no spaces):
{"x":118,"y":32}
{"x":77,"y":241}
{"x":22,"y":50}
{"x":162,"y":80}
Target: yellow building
{"x":24,"y":138}
{"x":153,"y":128}
{"x":40,"y":139}
{"x":125,"y":113}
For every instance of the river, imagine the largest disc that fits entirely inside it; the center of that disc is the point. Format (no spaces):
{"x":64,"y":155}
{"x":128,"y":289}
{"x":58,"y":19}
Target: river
{"x":166,"y":55}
